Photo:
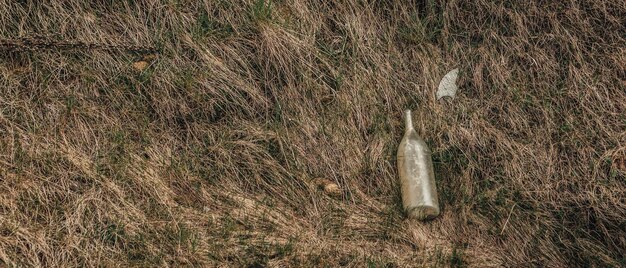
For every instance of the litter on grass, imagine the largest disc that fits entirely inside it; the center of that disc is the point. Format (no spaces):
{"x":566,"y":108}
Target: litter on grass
{"x":447,"y":86}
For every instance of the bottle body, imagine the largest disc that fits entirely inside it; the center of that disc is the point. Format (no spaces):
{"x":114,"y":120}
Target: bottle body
{"x":417,"y":176}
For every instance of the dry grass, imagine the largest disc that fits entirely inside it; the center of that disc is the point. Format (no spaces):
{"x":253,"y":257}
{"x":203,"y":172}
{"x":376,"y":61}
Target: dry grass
{"x":207,"y":154}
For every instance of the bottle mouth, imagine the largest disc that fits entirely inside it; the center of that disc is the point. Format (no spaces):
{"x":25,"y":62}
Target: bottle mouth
{"x":408,"y":120}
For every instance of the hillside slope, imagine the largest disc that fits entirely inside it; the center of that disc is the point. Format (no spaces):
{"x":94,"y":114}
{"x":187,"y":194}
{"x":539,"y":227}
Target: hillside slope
{"x":154,"y":133}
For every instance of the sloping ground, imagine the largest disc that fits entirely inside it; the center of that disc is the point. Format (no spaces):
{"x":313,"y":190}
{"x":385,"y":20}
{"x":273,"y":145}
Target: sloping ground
{"x":188,"y":132}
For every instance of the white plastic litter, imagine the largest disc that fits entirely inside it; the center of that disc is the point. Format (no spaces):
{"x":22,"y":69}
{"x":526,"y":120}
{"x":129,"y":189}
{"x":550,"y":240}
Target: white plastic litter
{"x":447,"y":86}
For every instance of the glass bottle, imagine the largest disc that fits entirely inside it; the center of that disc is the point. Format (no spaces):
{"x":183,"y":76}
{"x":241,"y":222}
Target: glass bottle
{"x":417,"y":176}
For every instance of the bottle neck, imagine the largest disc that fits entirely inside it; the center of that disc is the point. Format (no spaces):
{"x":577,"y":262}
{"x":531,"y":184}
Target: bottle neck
{"x":408,"y":121}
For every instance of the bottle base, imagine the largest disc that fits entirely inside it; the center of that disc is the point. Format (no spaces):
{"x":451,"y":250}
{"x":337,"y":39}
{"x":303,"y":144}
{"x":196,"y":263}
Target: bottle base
{"x":423,"y":213}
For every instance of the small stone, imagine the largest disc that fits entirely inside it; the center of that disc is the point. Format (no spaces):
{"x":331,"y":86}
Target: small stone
{"x":329,"y":187}
{"x":332,"y":189}
{"x":140,"y":65}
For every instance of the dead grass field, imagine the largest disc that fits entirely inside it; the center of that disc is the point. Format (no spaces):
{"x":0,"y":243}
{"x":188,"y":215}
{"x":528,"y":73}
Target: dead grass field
{"x":169,"y":133}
